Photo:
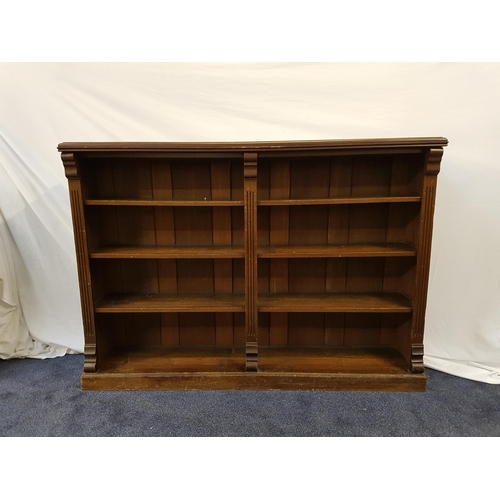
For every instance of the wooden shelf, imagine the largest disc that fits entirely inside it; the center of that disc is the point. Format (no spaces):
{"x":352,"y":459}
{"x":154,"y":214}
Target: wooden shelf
{"x":382,"y":302}
{"x":170,"y":302}
{"x":346,"y":250}
{"x":165,"y":203}
{"x":340,"y":201}
{"x":380,"y":360}
{"x":176,"y":359}
{"x":267,"y":252}
{"x":169,"y":252}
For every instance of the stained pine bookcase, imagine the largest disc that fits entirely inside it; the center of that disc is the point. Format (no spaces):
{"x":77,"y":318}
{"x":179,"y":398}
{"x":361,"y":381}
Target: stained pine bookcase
{"x":262,"y":265}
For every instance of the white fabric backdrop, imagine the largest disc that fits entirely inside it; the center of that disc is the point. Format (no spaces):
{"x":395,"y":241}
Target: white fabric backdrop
{"x":43,"y":104}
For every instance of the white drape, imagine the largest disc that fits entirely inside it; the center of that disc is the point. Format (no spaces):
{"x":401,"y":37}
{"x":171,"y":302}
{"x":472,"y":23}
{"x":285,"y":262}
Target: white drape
{"x":42,"y":105}
{"x":15,"y":338}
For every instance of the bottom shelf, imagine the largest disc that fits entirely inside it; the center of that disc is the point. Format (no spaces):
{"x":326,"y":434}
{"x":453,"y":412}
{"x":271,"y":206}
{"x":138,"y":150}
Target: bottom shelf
{"x":322,"y":368}
{"x":153,"y":360}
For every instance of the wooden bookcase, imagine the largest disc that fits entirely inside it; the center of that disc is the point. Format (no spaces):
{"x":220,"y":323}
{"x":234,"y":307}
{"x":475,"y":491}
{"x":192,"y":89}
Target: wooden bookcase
{"x":271,"y":265}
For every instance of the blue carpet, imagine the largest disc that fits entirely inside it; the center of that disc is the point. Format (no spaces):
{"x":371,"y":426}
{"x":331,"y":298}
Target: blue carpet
{"x":42,"y":398}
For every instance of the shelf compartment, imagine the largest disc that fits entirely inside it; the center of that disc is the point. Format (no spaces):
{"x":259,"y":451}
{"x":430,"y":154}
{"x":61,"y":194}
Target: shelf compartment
{"x":160,"y":180}
{"x":168,"y":252}
{"x":170,"y":302}
{"x":297,"y":330}
{"x":340,"y":201}
{"x":150,"y":226}
{"x":137,"y":332}
{"x":382,"y":302}
{"x":334,"y":180}
{"x":345,"y":250}
{"x":359,"y":224}
{"x":164,"y":203}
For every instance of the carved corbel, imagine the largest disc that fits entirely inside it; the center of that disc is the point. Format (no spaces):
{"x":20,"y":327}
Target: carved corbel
{"x":433,"y":161}
{"x":70,"y":166}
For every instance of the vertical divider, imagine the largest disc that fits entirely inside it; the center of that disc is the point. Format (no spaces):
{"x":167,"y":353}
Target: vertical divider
{"x":251,"y":312}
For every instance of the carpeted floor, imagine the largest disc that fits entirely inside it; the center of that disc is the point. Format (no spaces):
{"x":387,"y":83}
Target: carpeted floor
{"x":43,"y":398}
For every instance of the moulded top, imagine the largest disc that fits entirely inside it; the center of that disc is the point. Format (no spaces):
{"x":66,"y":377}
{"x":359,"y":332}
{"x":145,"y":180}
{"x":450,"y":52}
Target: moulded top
{"x":417,"y":142}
